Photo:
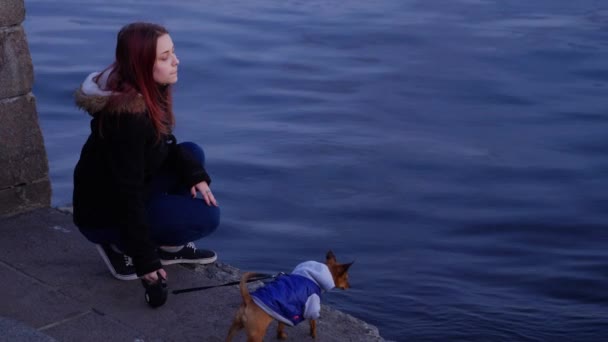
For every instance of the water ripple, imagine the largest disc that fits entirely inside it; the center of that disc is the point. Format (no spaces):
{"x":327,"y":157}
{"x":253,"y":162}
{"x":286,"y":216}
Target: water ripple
{"x":455,"y":149}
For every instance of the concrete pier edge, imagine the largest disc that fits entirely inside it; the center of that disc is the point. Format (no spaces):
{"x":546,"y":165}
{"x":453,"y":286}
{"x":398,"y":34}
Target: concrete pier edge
{"x":57,"y":287}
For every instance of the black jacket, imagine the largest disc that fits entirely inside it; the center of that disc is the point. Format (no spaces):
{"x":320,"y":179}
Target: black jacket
{"x":112,"y":177}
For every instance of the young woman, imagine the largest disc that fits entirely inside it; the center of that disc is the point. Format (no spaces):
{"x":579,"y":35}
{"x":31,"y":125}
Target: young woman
{"x":135,"y":187}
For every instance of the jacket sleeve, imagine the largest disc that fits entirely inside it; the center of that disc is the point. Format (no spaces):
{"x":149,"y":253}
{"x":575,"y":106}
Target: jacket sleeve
{"x":126,"y":136}
{"x":190,"y":170}
{"x":312,"y":309}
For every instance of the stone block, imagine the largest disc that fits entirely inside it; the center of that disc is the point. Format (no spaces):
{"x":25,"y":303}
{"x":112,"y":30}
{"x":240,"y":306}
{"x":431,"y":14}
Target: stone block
{"x":24,"y":198}
{"x":13,"y":330}
{"x":12,"y":12}
{"x":22,"y":154}
{"x":16,"y":69}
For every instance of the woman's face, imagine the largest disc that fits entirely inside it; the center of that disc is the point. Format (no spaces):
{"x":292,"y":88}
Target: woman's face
{"x":165,"y":67}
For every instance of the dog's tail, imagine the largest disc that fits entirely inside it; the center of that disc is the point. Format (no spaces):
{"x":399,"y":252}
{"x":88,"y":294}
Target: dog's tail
{"x":243,"y":285}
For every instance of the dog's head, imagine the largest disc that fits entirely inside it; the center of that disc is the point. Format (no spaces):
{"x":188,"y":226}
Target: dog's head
{"x":338,"y":271}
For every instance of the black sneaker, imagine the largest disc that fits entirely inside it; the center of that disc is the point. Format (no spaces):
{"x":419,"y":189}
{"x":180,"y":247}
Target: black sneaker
{"x":189,"y":254}
{"x":120,"y":265}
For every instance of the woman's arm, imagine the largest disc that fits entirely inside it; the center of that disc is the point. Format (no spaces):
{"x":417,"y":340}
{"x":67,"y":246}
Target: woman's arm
{"x":190,"y":170}
{"x":125,"y":136}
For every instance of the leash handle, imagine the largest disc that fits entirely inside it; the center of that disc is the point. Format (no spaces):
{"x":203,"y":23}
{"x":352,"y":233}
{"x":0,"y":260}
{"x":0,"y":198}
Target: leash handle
{"x":258,"y":276}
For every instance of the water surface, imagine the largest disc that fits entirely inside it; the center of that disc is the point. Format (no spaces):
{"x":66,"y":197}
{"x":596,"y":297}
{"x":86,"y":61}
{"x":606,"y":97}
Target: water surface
{"x":455,"y":149}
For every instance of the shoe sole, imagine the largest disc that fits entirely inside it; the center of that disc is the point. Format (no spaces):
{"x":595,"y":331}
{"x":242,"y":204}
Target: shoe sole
{"x":189,"y":261}
{"x":111,"y":268}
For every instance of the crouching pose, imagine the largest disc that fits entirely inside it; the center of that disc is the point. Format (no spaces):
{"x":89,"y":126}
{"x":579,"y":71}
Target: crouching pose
{"x":135,"y":187}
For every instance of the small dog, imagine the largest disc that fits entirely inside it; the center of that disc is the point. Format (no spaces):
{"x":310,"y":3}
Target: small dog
{"x":289,"y":299}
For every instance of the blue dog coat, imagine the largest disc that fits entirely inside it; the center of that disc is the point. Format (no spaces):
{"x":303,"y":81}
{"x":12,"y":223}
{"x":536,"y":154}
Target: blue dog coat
{"x":295,"y":297}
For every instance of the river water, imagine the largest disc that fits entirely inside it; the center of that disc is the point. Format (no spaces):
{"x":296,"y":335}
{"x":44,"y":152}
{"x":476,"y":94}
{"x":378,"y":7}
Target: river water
{"x":455,"y":149}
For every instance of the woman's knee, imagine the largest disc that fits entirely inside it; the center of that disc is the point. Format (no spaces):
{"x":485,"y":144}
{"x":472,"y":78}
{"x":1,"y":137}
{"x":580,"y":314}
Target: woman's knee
{"x":175,"y":219}
{"x":193,"y":150}
{"x":210,"y":221}
{"x":194,"y":230}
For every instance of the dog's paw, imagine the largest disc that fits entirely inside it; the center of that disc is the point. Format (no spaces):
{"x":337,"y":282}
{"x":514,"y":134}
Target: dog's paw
{"x":281,"y":335}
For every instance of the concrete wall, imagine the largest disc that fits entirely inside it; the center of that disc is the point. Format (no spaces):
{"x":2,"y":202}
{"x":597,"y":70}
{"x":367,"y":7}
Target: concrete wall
{"x":24,"y":179}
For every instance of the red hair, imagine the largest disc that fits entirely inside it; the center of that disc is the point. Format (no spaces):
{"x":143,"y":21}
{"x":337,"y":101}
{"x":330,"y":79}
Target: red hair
{"x":133,"y":74}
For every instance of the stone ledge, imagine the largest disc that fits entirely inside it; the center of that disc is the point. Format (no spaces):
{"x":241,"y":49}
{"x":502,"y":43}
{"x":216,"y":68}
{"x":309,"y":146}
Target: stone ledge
{"x":14,"y":28}
{"x":13,"y":99}
{"x":13,"y":330}
{"x":16,"y":69}
{"x":13,"y":12}
{"x":25,"y":197}
{"x":57,"y":282}
{"x":22,"y":155}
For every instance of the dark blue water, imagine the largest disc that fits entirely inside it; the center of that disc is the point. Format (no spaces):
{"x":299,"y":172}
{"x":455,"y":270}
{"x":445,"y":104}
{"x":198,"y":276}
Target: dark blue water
{"x":455,"y":149}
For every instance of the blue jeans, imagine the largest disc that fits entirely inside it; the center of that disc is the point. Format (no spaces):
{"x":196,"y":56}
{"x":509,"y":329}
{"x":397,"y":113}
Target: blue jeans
{"x":174,"y":217}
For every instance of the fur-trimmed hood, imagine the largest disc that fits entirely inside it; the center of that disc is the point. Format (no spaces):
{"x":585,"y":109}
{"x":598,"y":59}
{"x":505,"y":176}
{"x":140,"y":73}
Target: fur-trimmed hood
{"x":91,"y":98}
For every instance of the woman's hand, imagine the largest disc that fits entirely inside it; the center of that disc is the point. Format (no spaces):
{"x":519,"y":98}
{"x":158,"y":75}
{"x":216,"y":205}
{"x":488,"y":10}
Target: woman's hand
{"x":204,"y":189}
{"x":152,"y":277}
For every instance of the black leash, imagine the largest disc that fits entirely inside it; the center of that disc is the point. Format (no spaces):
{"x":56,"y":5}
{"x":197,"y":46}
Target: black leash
{"x":258,"y":276}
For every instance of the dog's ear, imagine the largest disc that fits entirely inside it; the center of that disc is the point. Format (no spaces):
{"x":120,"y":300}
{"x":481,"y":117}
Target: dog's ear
{"x":330,"y":258}
{"x":344,"y":267}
